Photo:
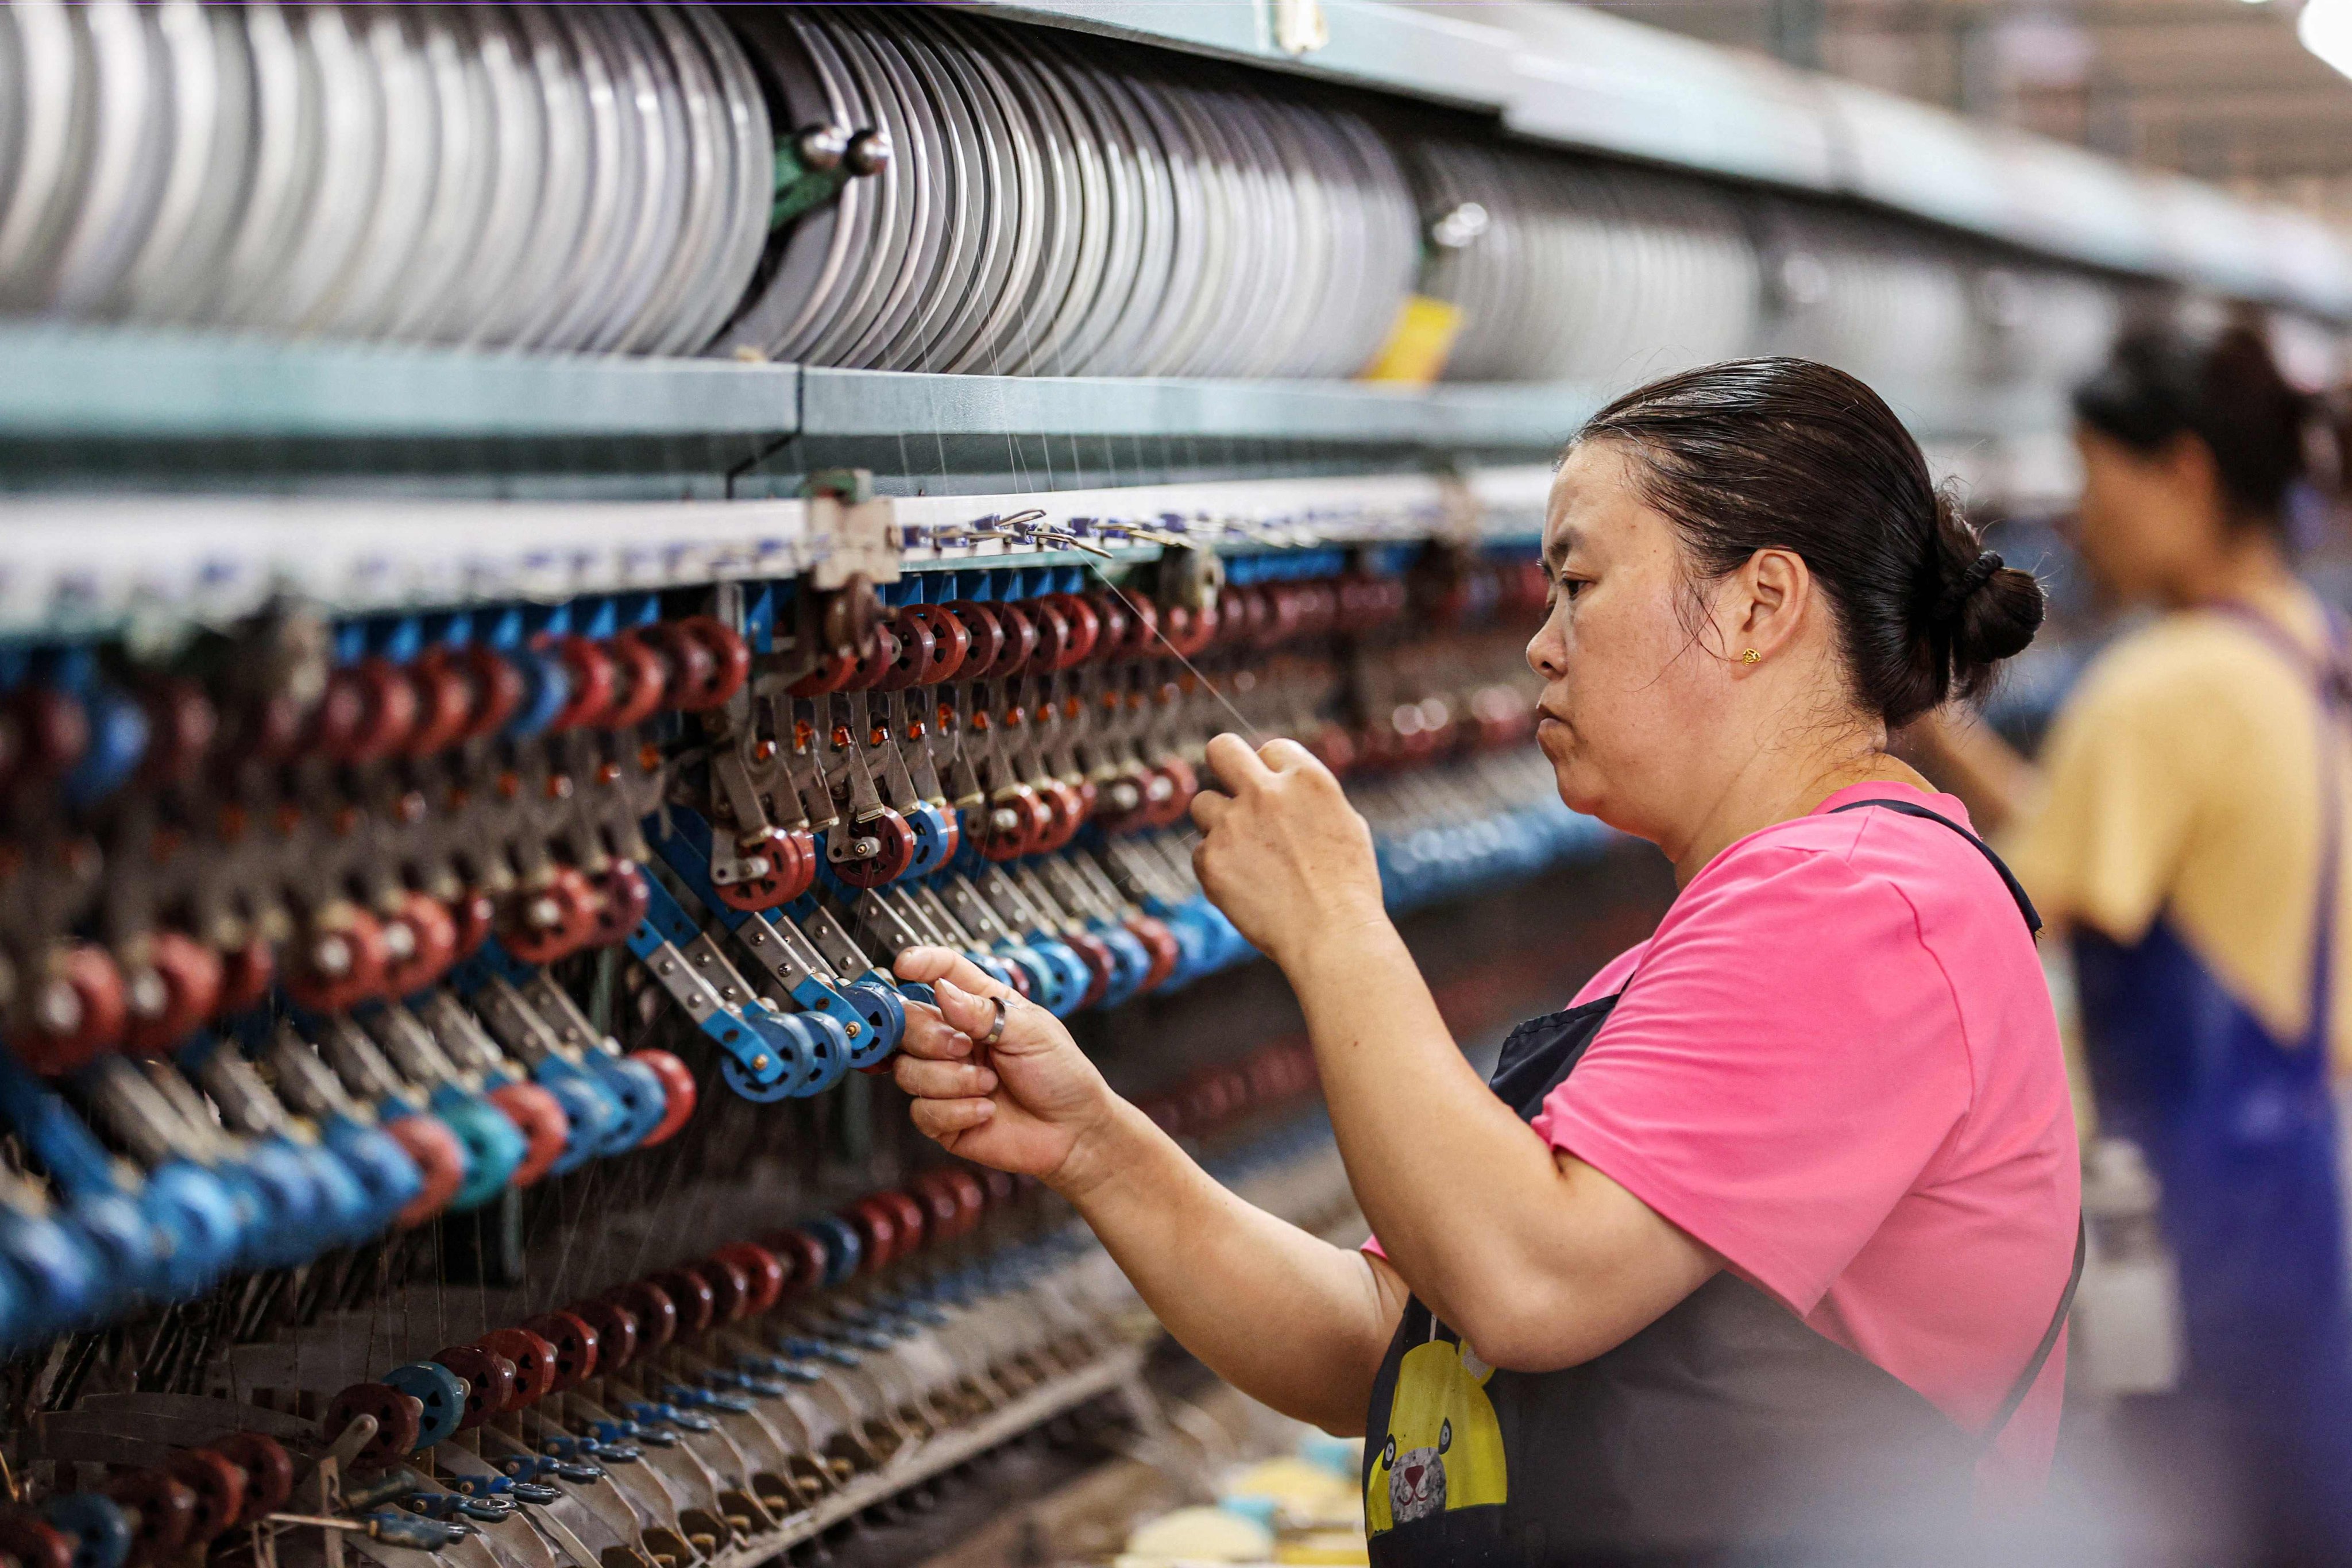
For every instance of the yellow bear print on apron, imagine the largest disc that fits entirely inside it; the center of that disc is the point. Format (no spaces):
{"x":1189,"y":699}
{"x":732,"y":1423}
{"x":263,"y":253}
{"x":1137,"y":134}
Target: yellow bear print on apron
{"x":1443,"y":1448}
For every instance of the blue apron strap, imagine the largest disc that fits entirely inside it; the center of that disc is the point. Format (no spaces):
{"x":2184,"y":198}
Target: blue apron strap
{"x":2330,"y":676}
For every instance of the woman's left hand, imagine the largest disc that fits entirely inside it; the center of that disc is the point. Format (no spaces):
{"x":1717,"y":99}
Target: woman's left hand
{"x":1281,"y":851}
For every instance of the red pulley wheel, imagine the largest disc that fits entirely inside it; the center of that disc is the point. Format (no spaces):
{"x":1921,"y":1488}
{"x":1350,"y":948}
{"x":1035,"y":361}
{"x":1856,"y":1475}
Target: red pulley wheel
{"x":679,"y":1093}
{"x":472,"y":915}
{"x":616,"y":1328}
{"x":1099,"y":964}
{"x":695,"y":1300}
{"x":438,"y":1155}
{"x":538,"y":923}
{"x":594,"y":680}
{"x":708,"y":662}
{"x":771,"y":888}
{"x":876,"y":664}
{"x":578,"y":1348}
{"x":731,"y":1288}
{"x":832,"y":675}
{"x":1082,"y":632}
{"x":910,"y":1215}
{"x":444,"y":703}
{"x":489,"y":1381}
{"x":640,"y":682}
{"x":983,"y":637}
{"x":1054,"y":638}
{"x":1161,"y":944}
{"x":803,"y":1256}
{"x":878,"y":1227}
{"x":166,"y":1507}
{"x":399,"y":1423}
{"x":951,"y":641}
{"x":181,"y":989}
{"x":247,"y":973}
{"x":268,"y":1472}
{"x":497,"y":690}
{"x":807,"y":853}
{"x":763,"y":1274}
{"x":894,"y":854}
{"x":180,"y":725}
{"x":432,"y":944}
{"x":539,"y":1116}
{"x":389,"y":709}
{"x":32,"y":1540}
{"x":77,"y":1010}
{"x":219,"y":1485}
{"x":914,"y":651}
{"x":622,"y":898}
{"x":655,"y":1309}
{"x":1065,"y":813}
{"x":1183,"y":785}
{"x":337,"y":960}
{"x":532,"y":1358}
{"x":1020,"y":642}
{"x":731,"y":658}
{"x":942,"y":1213}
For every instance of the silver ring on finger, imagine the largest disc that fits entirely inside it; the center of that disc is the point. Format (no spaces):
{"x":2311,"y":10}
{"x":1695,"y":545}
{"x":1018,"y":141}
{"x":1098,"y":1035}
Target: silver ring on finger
{"x":996,"y":1030}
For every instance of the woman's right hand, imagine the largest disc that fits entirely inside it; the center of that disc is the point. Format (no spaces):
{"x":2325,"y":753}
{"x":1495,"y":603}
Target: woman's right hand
{"x":1029,"y":1104}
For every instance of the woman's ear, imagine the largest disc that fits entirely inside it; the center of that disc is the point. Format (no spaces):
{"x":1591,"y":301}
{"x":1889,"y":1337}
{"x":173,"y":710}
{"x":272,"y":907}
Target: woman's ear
{"x":1765,"y":605}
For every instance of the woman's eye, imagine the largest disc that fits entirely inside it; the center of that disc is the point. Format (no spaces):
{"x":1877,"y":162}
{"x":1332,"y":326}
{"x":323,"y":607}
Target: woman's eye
{"x":1569,"y":587}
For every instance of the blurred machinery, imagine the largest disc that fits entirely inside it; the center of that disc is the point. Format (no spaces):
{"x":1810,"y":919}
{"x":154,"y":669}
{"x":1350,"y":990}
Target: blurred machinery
{"x":545,"y":545}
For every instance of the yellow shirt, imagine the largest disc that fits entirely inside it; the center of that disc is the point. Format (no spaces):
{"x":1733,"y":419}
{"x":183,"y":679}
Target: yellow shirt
{"x":2183,"y":780}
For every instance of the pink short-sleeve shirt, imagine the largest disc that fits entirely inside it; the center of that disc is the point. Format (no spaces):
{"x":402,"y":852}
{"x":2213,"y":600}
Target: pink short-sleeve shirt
{"x":1836,"y":1065}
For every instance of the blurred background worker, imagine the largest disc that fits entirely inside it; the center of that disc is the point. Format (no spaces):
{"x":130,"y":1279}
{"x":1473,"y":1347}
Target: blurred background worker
{"x":2186,"y":828}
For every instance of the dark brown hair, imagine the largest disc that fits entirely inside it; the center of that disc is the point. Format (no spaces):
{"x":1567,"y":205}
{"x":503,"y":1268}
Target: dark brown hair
{"x":2164,"y":382}
{"x":1787,"y":454}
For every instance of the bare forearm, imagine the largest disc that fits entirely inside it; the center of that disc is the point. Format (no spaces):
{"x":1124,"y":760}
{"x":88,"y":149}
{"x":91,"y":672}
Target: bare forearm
{"x":1414,"y":1122}
{"x":1286,"y":1318}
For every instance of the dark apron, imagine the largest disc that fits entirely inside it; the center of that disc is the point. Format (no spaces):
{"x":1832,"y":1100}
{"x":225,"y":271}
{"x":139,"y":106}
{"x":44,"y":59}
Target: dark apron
{"x":1727,"y":1431}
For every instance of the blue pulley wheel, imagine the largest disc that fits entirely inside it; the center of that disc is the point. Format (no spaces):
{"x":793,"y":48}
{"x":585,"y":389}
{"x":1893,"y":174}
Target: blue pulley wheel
{"x":883,"y":1014}
{"x":598,"y":1120}
{"x":129,"y":1249}
{"x":385,"y":1171}
{"x":198,"y":1212}
{"x":1133,"y":963}
{"x":344,"y":1213}
{"x":759,"y":1091}
{"x":439,"y":1390}
{"x":929,"y":824}
{"x":844,"y":1248}
{"x":494,"y":1146}
{"x":60,"y":1270}
{"x":94,"y":1525}
{"x":828,"y":1050}
{"x":638,"y":1089}
{"x":547,"y":687}
{"x":1069,"y":979}
{"x":293,"y":1224}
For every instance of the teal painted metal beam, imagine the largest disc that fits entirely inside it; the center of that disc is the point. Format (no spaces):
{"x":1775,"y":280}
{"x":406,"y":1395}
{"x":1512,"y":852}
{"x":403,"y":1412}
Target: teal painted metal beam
{"x":108,"y":384}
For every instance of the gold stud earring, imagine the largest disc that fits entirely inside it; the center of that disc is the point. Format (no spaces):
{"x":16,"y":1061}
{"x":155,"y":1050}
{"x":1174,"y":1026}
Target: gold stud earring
{"x":1752,"y":657}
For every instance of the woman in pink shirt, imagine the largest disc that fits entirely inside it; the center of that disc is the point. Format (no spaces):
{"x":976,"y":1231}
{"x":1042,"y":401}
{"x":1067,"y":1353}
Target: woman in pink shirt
{"x":1765,"y":1245}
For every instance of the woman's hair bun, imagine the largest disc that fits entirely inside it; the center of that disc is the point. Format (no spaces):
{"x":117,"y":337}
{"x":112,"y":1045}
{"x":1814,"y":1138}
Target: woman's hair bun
{"x":1985,"y":609}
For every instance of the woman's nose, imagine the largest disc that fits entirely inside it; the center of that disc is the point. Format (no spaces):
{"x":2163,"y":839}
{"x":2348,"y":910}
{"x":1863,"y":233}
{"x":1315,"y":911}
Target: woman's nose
{"x":1546,"y":656}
